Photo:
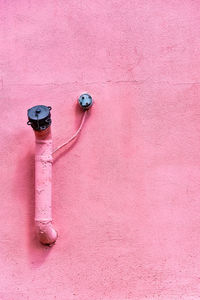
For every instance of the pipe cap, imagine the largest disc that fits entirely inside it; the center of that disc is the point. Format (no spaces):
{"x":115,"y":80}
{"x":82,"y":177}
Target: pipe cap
{"x":39,"y":117}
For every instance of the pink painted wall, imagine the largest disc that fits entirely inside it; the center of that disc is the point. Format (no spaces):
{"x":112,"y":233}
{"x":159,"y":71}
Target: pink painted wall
{"x":126,"y":196}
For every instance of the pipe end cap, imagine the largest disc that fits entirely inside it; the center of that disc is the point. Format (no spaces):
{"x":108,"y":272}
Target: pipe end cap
{"x":39,"y":117}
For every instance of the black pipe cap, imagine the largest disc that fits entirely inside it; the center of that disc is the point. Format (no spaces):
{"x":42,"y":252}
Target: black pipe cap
{"x":39,"y":117}
{"x":85,"y":101}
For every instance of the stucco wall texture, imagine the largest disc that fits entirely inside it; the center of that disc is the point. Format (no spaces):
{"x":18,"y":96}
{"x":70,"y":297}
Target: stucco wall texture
{"x":126,"y":195}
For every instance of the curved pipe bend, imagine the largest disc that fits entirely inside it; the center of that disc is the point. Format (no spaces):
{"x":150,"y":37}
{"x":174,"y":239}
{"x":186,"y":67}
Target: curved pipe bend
{"x":46,"y":233}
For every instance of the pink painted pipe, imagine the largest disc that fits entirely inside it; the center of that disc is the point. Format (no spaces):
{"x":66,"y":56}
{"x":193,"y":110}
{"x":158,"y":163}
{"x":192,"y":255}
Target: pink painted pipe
{"x":43,"y":194}
{"x":40,"y":119}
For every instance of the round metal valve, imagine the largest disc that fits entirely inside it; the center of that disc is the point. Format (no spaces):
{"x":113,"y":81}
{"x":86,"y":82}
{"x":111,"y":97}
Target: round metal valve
{"x":85,"y":101}
{"x":39,"y":117}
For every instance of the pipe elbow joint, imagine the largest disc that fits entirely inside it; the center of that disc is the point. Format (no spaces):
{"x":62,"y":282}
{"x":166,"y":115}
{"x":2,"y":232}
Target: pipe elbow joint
{"x":46,"y":233}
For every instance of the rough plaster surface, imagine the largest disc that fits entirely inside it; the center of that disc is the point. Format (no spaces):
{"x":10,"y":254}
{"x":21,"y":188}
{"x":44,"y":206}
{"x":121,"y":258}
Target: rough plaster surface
{"x":126,"y":196}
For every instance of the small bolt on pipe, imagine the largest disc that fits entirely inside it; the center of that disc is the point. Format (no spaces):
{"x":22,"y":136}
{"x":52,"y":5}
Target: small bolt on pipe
{"x":39,"y":117}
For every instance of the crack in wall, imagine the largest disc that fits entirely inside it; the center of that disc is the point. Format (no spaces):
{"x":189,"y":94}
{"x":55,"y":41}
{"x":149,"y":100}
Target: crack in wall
{"x":58,"y":84}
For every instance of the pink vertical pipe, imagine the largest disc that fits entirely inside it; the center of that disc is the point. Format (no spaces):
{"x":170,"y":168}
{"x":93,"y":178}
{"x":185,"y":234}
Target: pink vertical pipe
{"x":43,"y":191}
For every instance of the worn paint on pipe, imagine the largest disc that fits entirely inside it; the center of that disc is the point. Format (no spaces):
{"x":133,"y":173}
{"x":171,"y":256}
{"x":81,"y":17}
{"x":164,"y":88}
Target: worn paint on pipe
{"x":43,"y":187}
